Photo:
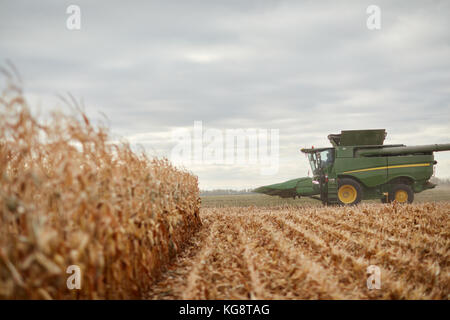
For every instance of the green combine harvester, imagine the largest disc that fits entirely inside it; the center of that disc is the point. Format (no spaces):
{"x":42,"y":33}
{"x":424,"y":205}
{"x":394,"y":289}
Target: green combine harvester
{"x":359,"y":167}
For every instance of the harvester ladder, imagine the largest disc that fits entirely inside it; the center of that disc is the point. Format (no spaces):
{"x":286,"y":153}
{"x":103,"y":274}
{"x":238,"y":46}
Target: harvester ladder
{"x":332,"y":191}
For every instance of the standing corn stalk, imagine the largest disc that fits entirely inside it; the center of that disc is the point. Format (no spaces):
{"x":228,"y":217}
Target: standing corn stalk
{"x":70,"y":197}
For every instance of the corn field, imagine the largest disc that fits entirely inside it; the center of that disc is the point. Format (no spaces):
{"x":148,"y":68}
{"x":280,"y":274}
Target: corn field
{"x":70,"y":197}
{"x":134,"y":227}
{"x":315,"y":253}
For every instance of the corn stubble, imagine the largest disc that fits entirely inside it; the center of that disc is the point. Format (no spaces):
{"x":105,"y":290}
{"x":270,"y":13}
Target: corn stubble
{"x":314,"y":252}
{"x":70,"y":197}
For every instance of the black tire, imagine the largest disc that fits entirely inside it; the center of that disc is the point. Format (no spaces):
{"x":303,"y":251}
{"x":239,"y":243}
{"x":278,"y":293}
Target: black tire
{"x":357,"y":187}
{"x":402,"y":187}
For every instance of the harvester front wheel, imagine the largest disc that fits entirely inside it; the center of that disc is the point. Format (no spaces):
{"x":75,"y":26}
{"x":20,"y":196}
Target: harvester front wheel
{"x":349,"y":192}
{"x":402,"y":193}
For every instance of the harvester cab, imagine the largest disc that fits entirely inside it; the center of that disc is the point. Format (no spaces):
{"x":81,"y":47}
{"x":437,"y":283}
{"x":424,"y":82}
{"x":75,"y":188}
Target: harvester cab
{"x":359,"y":166}
{"x":321,"y":162}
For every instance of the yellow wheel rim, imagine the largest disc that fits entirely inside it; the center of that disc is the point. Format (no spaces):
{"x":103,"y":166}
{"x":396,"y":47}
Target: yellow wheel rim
{"x":401,"y":196}
{"x":347,"y":194}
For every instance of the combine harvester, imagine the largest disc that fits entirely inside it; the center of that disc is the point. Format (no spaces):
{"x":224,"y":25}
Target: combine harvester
{"x":359,"y":167}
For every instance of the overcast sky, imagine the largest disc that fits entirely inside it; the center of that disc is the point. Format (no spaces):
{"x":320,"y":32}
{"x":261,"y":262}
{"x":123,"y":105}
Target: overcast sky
{"x":307,"y":68}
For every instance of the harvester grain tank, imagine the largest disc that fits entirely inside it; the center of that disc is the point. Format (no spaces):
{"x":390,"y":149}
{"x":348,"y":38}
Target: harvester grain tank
{"x":359,"y":166}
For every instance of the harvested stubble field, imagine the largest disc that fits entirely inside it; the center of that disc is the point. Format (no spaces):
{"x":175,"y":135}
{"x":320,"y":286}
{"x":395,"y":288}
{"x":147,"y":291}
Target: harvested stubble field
{"x":312,"y":252}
